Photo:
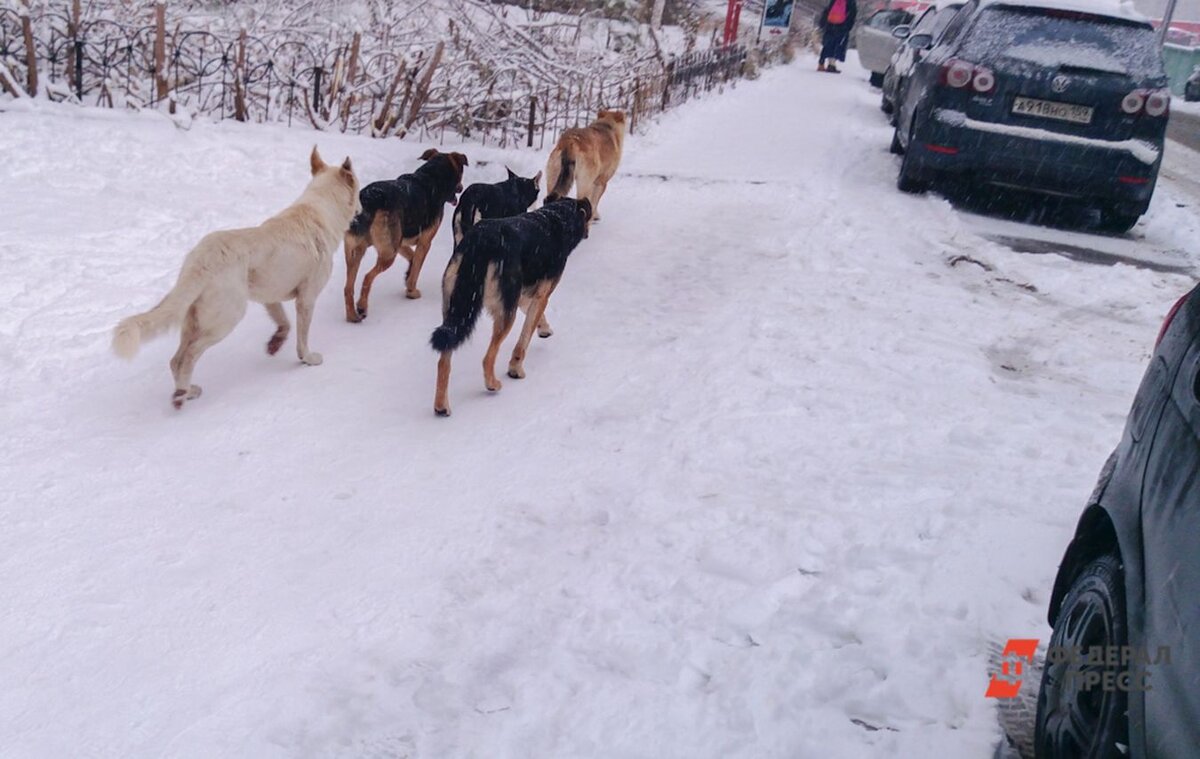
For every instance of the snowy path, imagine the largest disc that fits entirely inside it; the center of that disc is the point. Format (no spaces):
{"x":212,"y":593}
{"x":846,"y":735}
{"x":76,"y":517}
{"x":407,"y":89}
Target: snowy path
{"x":769,"y":491}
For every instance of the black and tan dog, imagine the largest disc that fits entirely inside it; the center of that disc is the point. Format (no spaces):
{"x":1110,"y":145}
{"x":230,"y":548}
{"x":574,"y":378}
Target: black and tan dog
{"x":402,"y":216}
{"x":503,"y":265}
{"x":494,"y":201}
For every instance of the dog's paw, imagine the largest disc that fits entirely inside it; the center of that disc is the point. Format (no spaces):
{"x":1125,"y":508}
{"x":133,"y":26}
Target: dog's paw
{"x":516,"y":371}
{"x":545,"y":332}
{"x":412,"y":294}
{"x":275,"y":343}
{"x":312,"y":359}
{"x":441,"y":411}
{"x":493,"y":385}
{"x":354,"y":317}
{"x":179,"y":396}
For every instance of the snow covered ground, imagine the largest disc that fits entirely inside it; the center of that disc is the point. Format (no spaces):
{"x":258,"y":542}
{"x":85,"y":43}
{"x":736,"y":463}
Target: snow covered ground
{"x":782,"y":474}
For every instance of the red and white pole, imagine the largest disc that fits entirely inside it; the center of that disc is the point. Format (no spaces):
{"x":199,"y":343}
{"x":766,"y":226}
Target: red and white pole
{"x":733,"y":14}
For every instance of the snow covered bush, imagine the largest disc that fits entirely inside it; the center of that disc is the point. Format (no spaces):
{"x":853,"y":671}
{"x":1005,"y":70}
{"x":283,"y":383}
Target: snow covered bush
{"x":503,"y":73}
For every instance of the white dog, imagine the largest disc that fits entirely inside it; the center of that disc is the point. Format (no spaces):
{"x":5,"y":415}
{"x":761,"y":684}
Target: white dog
{"x":288,"y":256}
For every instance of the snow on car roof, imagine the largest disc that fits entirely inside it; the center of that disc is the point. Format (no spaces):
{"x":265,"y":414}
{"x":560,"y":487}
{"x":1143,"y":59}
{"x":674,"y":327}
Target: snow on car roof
{"x":1122,"y":9}
{"x":918,"y":8}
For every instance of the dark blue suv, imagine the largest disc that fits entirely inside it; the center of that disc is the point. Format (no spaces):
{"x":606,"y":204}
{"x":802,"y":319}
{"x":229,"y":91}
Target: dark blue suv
{"x":1042,"y":97}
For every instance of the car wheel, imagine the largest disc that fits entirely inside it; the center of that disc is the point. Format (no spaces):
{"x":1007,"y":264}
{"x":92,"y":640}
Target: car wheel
{"x":876,"y":79}
{"x":1117,"y":220}
{"x":908,"y":180}
{"x":896,"y":148}
{"x":885,"y":105}
{"x":1074,"y":720}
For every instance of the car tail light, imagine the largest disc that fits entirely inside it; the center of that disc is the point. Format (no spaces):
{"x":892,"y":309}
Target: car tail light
{"x":1157,"y":102}
{"x":1133,"y":102}
{"x":984,"y":81}
{"x":957,"y":74}
{"x":1170,"y":317}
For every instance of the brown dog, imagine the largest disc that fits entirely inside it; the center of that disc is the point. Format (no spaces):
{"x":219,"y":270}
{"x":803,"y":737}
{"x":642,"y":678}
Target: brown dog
{"x":587,"y":157}
{"x":402,"y":216}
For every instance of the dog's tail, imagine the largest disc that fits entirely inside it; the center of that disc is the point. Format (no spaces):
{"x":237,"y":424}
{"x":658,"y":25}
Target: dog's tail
{"x":465,"y":216}
{"x":462,"y":298}
{"x":362,"y":222}
{"x":132,"y":331}
{"x":371,"y":198}
{"x":560,"y":187}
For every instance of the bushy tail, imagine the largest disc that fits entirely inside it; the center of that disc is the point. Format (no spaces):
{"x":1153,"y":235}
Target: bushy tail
{"x":465,"y":217}
{"x":465,"y":301}
{"x":566,"y":175}
{"x":131,"y":332}
{"x":362,"y":222}
{"x":371,"y":198}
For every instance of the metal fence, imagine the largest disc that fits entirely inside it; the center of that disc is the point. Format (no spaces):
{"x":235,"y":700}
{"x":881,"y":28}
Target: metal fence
{"x":330,"y":84}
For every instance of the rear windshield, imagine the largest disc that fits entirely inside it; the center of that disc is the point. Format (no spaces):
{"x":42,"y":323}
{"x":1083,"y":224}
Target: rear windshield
{"x":1056,"y":39}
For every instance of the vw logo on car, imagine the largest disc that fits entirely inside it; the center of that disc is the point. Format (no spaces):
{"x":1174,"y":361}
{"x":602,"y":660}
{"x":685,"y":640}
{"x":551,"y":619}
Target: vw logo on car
{"x":1059,"y":83}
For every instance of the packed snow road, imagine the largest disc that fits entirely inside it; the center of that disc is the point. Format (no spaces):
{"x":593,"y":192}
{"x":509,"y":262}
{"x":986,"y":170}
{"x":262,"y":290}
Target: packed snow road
{"x":800,"y":448}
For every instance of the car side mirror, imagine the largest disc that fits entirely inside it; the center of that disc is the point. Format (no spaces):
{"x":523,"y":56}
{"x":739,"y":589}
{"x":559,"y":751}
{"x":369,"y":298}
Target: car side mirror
{"x":901,"y":32}
{"x":921,"y":41}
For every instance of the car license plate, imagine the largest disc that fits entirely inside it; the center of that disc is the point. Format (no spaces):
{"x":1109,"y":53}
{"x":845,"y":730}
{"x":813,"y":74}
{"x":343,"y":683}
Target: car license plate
{"x":1049,"y":109}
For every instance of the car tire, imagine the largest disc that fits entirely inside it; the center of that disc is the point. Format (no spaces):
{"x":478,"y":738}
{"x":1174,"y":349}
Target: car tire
{"x":885,"y":105}
{"x":1074,"y":721}
{"x":896,"y":148}
{"x":1117,"y":220}
{"x":876,"y":79}
{"x":908,"y":180}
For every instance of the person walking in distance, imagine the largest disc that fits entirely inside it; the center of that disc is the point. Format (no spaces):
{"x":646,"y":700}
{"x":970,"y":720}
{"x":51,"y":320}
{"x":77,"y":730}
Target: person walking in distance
{"x":836,"y":22}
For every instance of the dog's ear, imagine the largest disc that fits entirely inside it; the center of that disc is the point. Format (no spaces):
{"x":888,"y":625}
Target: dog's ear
{"x":346,"y":171}
{"x":315,"y":162}
{"x":511,"y":174}
{"x":601,"y":114}
{"x":429,"y":154}
{"x":584,"y":209}
{"x":617,"y":116}
{"x":537,"y":179}
{"x":462,"y":159}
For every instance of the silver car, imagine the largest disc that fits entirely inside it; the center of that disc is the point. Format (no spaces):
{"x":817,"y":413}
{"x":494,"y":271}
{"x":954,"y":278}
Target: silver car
{"x":914,"y":41}
{"x":875,"y":42}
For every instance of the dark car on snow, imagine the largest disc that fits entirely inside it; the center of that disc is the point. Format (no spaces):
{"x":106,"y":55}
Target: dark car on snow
{"x":1129,"y":583}
{"x":1062,"y":101}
